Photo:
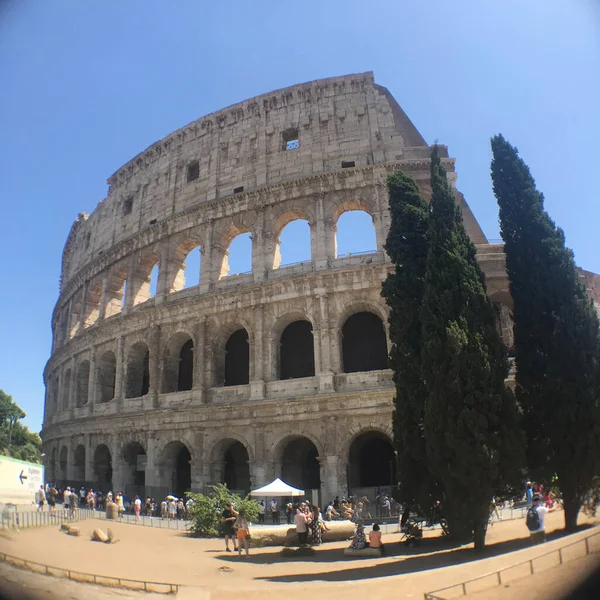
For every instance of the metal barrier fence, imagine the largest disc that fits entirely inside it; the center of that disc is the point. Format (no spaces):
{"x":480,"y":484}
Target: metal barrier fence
{"x":178,"y":524}
{"x":587,"y":545}
{"x":13,"y":519}
{"x":128,"y":584}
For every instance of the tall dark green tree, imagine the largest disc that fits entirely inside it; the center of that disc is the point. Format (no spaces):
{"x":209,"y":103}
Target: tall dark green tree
{"x":471,"y":426}
{"x":403,"y":291}
{"x":557,"y":344}
{"x":15,"y":438}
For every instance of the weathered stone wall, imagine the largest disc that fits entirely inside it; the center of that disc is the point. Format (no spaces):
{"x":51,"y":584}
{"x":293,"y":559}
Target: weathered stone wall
{"x":115,"y":368}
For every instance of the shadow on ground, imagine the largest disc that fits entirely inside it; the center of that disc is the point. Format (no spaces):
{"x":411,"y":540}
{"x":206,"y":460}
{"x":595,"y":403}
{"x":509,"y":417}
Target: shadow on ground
{"x":433,"y":553}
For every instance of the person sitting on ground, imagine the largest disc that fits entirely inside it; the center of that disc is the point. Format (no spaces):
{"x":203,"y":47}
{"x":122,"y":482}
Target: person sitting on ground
{"x":375,"y":538}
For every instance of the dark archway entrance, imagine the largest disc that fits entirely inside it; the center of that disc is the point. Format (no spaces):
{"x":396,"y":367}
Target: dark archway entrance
{"x":364,"y":345}
{"x":103,"y":468}
{"x":236,"y":470}
{"x":138,"y":371}
{"x":299,"y":464}
{"x":107,"y":370}
{"x":237,"y":359}
{"x":372,"y":461}
{"x":81,"y":386}
{"x":186,"y":367}
{"x":79,"y":463}
{"x":297,"y":358}
{"x":134,"y":459}
{"x":177,"y":468}
{"x":179,"y":364}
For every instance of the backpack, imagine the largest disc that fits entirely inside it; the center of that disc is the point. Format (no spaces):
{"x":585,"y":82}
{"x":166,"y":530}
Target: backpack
{"x":533,"y":519}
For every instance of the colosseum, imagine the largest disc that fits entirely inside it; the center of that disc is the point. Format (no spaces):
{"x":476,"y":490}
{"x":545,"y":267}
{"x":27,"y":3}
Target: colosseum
{"x":165,"y":380}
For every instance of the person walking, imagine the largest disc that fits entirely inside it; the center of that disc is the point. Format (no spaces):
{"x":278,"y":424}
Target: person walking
{"x":72,"y":504}
{"x":227,"y":520}
{"x":40,"y":498}
{"x":242,"y":532}
{"x":535,"y":520}
{"x":261,"y":511}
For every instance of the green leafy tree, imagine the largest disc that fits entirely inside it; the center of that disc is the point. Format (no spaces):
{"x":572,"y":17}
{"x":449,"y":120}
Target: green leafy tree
{"x":406,"y":245}
{"x":471,"y":426}
{"x":206,"y":511}
{"x":557,"y":345}
{"x":15,"y":438}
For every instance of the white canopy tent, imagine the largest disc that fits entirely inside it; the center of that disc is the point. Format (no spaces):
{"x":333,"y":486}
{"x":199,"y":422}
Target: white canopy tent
{"x":277,"y":488}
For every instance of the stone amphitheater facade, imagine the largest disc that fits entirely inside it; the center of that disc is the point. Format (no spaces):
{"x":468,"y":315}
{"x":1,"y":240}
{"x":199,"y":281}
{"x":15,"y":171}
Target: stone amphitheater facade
{"x":241,"y":378}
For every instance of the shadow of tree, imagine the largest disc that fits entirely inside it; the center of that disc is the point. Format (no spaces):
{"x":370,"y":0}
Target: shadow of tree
{"x":432,"y":554}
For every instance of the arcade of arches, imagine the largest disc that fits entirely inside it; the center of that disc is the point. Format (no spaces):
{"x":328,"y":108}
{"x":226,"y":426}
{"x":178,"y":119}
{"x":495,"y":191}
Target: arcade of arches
{"x":143,"y":467}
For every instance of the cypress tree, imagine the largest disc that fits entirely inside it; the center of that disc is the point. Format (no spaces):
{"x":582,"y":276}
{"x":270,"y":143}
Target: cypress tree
{"x":471,"y":429}
{"x":406,"y":245}
{"x":557,"y":344}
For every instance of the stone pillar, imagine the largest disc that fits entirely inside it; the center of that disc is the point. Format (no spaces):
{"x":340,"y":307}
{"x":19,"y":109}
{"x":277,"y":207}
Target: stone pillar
{"x":163,"y":274}
{"x":120,"y":367}
{"x":92,"y":380}
{"x":259,"y":263}
{"x":90,"y":476}
{"x":72,"y":387}
{"x":199,"y":384}
{"x":330,"y":484}
{"x":207,"y":269}
{"x":321,"y":250}
{"x":154,"y":365}
{"x":257,"y":385}
{"x":119,"y":469}
{"x":131,"y":285}
{"x":69,"y":444}
{"x":152,"y":474}
{"x":84,"y":295}
{"x":103,"y":298}
{"x":325,"y":372}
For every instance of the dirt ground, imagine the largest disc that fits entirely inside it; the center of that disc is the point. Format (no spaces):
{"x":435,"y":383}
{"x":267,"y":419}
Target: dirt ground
{"x":171,"y":556}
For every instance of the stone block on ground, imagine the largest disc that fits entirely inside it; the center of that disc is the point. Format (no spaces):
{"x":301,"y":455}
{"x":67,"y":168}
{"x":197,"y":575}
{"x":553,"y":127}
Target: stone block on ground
{"x":99,"y":536}
{"x":73,"y":531}
{"x":280,"y":535}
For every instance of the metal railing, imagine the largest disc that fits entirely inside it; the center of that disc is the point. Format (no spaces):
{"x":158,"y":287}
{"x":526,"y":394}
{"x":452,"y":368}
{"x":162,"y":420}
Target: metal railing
{"x":520,"y":570}
{"x":361,"y":253}
{"x":106,"y":580}
{"x":12,"y":519}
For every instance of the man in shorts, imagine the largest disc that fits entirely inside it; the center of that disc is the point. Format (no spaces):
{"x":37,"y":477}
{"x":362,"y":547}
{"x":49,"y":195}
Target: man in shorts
{"x":40,"y":497}
{"x":227,"y":520}
{"x":538,"y":534}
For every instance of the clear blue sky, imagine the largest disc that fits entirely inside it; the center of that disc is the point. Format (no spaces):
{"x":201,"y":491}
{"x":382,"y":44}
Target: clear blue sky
{"x":86,"y":85}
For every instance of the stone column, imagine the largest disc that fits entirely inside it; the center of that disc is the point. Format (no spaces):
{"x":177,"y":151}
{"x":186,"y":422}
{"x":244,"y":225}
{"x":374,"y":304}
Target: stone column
{"x":207,"y":269}
{"x":163,"y":274}
{"x":259,"y":263}
{"x":69,"y":444}
{"x":154,"y":365}
{"x":325,"y":372}
{"x":152,"y":474}
{"x":92,"y":380}
{"x":199,"y":384}
{"x":257,"y":385}
{"x":84,"y":295}
{"x":103,"y":298}
{"x":131,"y":285}
{"x":321,"y":250}
{"x":120,"y":367}
{"x":90,"y":476}
{"x":330,"y":484}
{"x":72,"y":388}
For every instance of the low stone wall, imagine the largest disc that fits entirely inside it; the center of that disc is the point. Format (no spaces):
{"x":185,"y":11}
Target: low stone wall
{"x":285,"y":535}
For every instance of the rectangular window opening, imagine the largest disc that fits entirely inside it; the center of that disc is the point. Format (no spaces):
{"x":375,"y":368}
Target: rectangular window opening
{"x":347,"y":164}
{"x":193,"y":171}
{"x":128,"y":205}
{"x":291,"y":139}
{"x":239,"y":189}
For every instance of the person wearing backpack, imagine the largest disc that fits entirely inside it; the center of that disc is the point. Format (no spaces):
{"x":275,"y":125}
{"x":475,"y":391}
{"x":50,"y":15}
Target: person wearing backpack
{"x":535,"y":520}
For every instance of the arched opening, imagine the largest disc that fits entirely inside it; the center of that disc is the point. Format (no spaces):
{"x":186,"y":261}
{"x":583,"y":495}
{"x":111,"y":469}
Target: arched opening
{"x":79,"y":463}
{"x":293,"y":245}
{"x":238,"y":258}
{"x":237,"y":359}
{"x":355,"y":233}
{"x":138,"y":371}
{"x":177,"y":469}
{"x":134,"y":460}
{"x":364,"y":345}
{"x":83,"y":379}
{"x":62,"y":462}
{"x":297,"y":353}
{"x":92,"y":305}
{"x":236,"y":470}
{"x":371,"y":461}
{"x":146,"y":279}
{"x":107,"y":369}
{"x":179,"y":364}
{"x":187,"y":259}
{"x":300,"y":465}
{"x":116,"y":285}
{"x":103,"y":468}
{"x":66,"y":392}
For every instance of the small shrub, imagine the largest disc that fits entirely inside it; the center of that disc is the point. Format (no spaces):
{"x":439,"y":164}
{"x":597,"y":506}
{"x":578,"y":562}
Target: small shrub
{"x":205,"y":514}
